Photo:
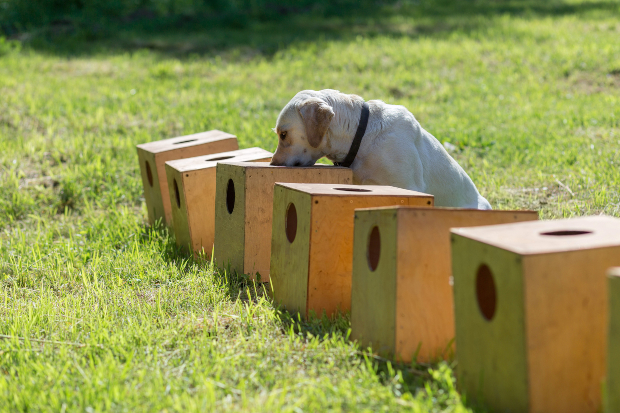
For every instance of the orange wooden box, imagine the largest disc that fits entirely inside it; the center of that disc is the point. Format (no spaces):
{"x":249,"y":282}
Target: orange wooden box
{"x":613,"y":346}
{"x":531,"y":311}
{"x":191,"y":184}
{"x":153,"y":156}
{"x":312,"y":241}
{"x":244,"y":206}
{"x":402,"y":303}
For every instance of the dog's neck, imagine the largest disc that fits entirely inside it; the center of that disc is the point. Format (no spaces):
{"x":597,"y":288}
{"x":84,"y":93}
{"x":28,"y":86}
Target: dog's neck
{"x":341,"y":131}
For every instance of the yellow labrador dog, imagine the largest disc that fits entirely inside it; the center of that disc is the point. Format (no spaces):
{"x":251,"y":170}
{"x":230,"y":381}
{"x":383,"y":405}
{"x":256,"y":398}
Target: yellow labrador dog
{"x":391,"y":149}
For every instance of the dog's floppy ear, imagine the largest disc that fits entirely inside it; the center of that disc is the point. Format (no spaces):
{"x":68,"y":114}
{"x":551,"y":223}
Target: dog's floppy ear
{"x":316,"y":115}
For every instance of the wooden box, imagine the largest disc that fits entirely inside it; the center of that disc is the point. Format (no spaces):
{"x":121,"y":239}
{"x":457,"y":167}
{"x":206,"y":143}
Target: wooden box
{"x":612,"y":390}
{"x":531,"y":306}
{"x":402,"y":305}
{"x":153,"y":156}
{"x":244,"y":206}
{"x":191,"y":184}
{"x":312,"y":241}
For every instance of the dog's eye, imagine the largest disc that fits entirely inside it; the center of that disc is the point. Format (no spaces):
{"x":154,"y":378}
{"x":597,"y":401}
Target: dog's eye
{"x":282,"y":135}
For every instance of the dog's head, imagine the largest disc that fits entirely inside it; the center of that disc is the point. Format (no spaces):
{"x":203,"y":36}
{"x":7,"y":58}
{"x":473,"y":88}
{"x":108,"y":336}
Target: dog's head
{"x":301,"y":127}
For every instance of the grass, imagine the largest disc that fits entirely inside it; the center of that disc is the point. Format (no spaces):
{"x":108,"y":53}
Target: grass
{"x":100,"y":312}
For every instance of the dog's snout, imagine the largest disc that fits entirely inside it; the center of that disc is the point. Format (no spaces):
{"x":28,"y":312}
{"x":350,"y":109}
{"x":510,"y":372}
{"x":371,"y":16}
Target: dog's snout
{"x":276,"y":163}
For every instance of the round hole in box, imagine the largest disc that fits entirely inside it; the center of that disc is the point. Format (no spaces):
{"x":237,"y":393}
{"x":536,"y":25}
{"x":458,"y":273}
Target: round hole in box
{"x":291,"y":222}
{"x":374,"y":248}
{"x":230,"y":196}
{"x":176,"y":194}
{"x":485,"y":292}
{"x":221,"y":158}
{"x":149,"y":174}
{"x":186,"y":141}
{"x":353,"y":189}
{"x":566,"y":233}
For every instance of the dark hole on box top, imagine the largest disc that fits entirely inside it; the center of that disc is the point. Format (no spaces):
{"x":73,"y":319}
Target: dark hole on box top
{"x":186,"y":141}
{"x":565,"y":233}
{"x":353,"y":189}
{"x":221,"y":158}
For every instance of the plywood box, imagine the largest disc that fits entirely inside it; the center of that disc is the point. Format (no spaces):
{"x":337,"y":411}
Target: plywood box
{"x":531,"y":306}
{"x":191,"y":184}
{"x":402,"y":305}
{"x":613,"y":348}
{"x":244,"y":206}
{"x":154,"y":155}
{"x":312,"y":241}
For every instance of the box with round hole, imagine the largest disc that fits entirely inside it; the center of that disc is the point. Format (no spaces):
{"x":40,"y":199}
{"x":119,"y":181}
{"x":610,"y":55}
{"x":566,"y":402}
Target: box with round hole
{"x":312,"y":241}
{"x":153,"y":156}
{"x":402,"y":303}
{"x":531,"y":311}
{"x":612,"y":390}
{"x":191,"y":184}
{"x":244,"y":207}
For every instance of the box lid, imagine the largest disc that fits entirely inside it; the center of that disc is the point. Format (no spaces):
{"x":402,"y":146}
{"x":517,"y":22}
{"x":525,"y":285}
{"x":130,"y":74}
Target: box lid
{"x":211,"y":160}
{"x":267,"y":166}
{"x":353,"y":190}
{"x":544,"y":237}
{"x":185,"y":141}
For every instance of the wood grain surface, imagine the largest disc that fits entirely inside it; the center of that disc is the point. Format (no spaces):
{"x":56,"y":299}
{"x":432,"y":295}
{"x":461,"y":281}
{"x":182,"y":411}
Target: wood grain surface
{"x":248,"y":249}
{"x":373,"y":297}
{"x":159,"y":152}
{"x":613,"y":343}
{"x":331,"y":243}
{"x":564,"y":309}
{"x":289,"y":260}
{"x":425,"y":309}
{"x":194,"y":219}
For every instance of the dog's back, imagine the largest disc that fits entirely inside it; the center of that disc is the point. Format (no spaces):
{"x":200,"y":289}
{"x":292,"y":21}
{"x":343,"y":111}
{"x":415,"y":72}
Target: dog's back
{"x":398,"y":131}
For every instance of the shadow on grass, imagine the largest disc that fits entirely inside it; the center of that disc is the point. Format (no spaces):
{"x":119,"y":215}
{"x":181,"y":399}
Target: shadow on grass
{"x":433,"y":380}
{"x":314,"y":326}
{"x":169,"y":250}
{"x":236,"y":287}
{"x":182,"y":36}
{"x":324,"y":328}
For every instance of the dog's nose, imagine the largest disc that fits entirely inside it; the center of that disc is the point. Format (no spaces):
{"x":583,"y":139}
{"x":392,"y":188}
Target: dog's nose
{"x":275,"y":163}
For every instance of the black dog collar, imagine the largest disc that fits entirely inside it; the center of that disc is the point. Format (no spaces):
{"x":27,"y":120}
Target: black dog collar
{"x":357,"y":140}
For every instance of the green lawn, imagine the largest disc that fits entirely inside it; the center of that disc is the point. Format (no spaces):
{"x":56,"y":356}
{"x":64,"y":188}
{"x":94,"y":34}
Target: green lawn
{"x":100,"y":312}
